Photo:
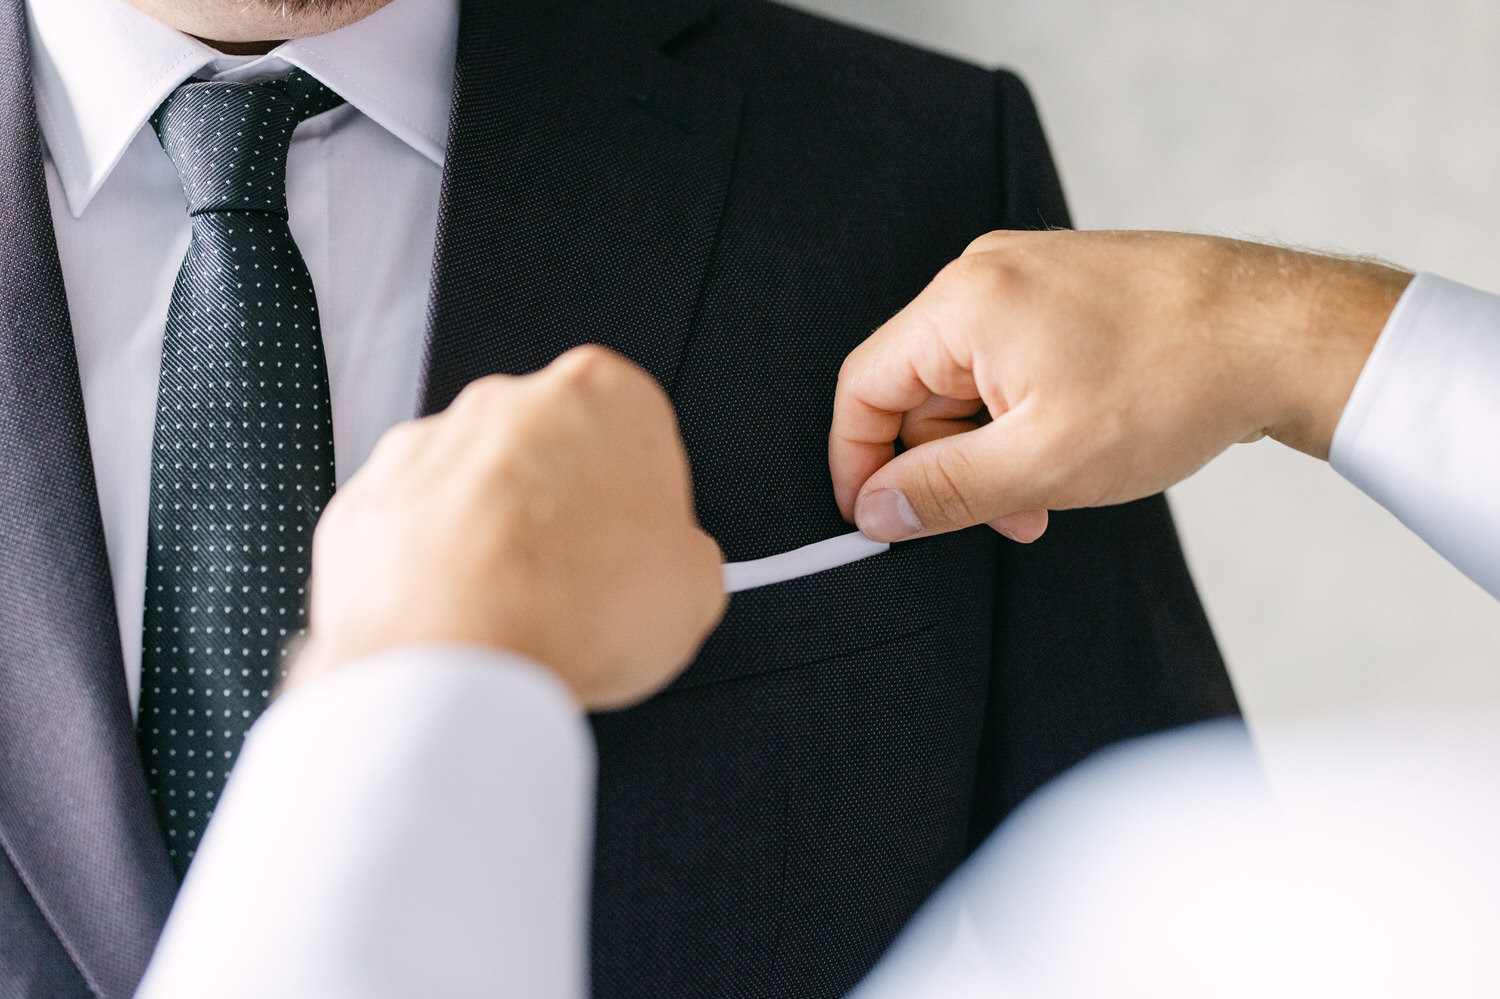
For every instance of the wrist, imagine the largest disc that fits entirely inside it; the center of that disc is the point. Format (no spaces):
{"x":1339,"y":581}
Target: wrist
{"x":1334,"y":312}
{"x":332,"y":645}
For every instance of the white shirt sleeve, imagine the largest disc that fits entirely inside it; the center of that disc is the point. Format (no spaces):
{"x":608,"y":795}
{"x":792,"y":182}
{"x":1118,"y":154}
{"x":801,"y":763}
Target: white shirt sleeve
{"x":1421,"y":432}
{"x":417,"y":824}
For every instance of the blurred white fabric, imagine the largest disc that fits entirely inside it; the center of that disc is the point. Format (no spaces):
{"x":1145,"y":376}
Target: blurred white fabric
{"x":419,"y":824}
{"x":1169,"y":868}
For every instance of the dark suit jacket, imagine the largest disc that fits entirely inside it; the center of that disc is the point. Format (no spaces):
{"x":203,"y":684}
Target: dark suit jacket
{"x":734,"y":195}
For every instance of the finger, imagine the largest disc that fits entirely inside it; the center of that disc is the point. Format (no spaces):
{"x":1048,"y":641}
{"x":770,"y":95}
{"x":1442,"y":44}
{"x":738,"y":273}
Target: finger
{"x":876,"y":388}
{"x":1024,"y":526}
{"x":922,"y":352}
{"x":861,"y":441}
{"x":940,"y":417}
{"x":958,"y":481}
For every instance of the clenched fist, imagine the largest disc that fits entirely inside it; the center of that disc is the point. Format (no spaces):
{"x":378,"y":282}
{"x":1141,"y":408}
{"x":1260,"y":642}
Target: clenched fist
{"x":549,"y":515}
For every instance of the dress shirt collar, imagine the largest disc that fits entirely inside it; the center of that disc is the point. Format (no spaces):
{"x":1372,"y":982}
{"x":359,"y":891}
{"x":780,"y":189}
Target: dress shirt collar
{"x":102,"y":68}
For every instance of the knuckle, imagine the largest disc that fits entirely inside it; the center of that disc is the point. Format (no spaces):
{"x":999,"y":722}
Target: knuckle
{"x":997,"y":239}
{"x":996,"y":269}
{"x":858,"y":361}
{"x":596,"y":374}
{"x":586,"y":364}
{"x":929,"y":331}
{"x":482,"y":393}
{"x":401,"y":439}
{"x":944,"y":483}
{"x":962,"y":278}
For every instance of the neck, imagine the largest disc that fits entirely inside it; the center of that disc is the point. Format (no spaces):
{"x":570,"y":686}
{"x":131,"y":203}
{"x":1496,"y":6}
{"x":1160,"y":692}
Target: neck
{"x":240,"y":48}
{"x":254,"y":27}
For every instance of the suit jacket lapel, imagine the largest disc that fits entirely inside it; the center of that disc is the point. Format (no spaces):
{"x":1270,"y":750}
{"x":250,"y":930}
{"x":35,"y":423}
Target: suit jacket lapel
{"x":75,"y":819}
{"x":585,"y":177}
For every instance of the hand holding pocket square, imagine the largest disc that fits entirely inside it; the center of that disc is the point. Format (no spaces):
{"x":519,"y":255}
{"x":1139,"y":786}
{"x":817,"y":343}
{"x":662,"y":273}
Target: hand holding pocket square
{"x":1056,"y":370}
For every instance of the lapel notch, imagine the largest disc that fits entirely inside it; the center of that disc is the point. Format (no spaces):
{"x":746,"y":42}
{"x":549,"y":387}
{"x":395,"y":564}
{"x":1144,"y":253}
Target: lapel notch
{"x":660,"y":21}
{"x":585,"y":179}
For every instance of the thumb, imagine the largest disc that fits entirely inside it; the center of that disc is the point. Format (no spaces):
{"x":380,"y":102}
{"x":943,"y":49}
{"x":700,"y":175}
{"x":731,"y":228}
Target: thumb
{"x":985,"y":475}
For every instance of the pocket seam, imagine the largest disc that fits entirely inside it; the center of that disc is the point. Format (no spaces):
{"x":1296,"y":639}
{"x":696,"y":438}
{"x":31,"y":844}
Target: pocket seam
{"x":805,"y":663}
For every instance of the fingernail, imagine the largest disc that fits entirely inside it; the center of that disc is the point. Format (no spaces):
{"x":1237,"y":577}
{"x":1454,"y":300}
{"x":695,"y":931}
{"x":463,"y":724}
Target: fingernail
{"x":886,"y":515}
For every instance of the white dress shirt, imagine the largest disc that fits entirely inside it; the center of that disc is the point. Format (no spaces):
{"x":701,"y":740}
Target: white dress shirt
{"x":413,"y":825}
{"x":1421,"y":432}
{"x":362,"y":193}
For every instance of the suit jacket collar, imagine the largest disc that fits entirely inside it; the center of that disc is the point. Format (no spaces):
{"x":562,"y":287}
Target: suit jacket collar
{"x":75,"y":820}
{"x":657,"y":21}
{"x":585,"y":177}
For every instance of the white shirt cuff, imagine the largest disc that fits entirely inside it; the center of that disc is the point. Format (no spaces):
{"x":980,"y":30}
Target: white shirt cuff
{"x":418,"y":823}
{"x":1421,"y":432}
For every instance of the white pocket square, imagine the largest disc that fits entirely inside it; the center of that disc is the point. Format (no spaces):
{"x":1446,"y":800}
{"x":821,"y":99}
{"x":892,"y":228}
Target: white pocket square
{"x":799,"y":562}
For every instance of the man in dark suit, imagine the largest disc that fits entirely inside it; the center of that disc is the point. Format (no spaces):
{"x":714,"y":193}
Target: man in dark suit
{"x":734,"y":195}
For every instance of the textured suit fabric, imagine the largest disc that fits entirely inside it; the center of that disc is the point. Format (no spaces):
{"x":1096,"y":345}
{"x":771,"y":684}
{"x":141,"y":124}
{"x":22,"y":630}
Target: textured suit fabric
{"x":735,"y":195}
{"x":766,"y":826}
{"x":70,"y":922}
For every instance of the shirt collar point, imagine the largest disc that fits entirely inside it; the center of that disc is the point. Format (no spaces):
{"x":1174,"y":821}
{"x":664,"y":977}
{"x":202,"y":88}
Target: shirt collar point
{"x":429,"y":147}
{"x":390,"y":108}
{"x":78,"y":198}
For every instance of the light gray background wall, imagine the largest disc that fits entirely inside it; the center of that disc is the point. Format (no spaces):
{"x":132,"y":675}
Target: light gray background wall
{"x":1368,"y":126}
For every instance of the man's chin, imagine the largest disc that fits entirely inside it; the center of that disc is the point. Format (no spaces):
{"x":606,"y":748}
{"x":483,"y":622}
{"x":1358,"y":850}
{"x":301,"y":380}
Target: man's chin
{"x":229,"y":24}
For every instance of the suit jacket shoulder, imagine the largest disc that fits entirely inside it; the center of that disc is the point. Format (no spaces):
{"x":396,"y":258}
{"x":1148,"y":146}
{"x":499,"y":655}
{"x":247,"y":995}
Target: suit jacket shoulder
{"x":881,"y":97}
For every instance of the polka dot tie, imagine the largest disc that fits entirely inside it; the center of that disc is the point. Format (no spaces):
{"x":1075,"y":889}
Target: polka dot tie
{"x":242,"y":462}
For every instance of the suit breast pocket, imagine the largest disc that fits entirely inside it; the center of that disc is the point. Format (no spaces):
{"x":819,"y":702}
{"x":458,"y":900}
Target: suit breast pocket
{"x":821,"y":616}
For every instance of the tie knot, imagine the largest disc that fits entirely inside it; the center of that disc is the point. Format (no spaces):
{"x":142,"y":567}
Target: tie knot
{"x":229,"y":140}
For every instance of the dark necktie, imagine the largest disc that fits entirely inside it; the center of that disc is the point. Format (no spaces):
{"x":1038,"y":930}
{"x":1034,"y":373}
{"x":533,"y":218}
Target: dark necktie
{"x":242,"y":461}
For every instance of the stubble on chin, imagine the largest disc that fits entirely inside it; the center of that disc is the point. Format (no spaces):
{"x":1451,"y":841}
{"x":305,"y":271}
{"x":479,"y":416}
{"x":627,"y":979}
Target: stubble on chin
{"x":292,"y":8}
{"x":242,"y":21}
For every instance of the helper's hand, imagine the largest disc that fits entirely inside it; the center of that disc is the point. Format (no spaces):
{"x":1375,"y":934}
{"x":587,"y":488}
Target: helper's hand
{"x":550,"y":515}
{"x":1056,"y":370}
